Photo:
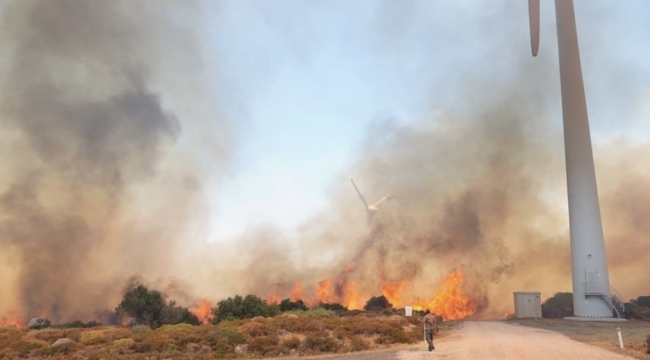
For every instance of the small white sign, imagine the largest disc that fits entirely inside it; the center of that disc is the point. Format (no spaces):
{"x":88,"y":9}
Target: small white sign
{"x":408,"y":310}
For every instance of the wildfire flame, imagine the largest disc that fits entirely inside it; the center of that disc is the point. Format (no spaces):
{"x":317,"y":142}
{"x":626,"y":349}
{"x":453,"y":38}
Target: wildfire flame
{"x":324,"y":293}
{"x":352,"y":299}
{"x":451,"y":302}
{"x":296,"y":293}
{"x":274,"y":294}
{"x":202,"y":308}
{"x":391,"y":291}
{"x":13,"y":321}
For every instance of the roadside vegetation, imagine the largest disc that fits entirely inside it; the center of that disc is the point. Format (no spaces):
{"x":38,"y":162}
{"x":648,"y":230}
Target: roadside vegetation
{"x":240,"y":327}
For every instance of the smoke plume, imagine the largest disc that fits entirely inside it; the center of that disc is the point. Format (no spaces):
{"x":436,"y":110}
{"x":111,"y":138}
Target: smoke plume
{"x":478,"y":185}
{"x":101,"y":183}
{"x":90,"y":175}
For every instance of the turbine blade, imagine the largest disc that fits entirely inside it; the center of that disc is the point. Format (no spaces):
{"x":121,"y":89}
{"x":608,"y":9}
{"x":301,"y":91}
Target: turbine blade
{"x":533,"y":18}
{"x":359,"y":192}
{"x":380,"y":201}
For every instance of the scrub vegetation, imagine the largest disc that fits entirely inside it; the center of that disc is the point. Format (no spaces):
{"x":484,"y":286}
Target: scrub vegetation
{"x":240,"y":327}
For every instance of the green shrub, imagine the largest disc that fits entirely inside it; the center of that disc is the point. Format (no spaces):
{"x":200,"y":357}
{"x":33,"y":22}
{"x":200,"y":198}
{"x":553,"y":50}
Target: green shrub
{"x":145,"y":306}
{"x":318,"y":312}
{"x":123,"y":344}
{"x":638,"y":308}
{"x":558,"y":306}
{"x":242,"y":308}
{"x":643,"y":301}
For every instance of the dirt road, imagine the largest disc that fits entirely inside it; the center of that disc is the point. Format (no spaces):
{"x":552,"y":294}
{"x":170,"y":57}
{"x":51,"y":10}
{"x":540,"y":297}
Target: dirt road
{"x":495,"y":340}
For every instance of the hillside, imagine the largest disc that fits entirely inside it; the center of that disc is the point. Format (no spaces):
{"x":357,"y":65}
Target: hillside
{"x":290,"y":334}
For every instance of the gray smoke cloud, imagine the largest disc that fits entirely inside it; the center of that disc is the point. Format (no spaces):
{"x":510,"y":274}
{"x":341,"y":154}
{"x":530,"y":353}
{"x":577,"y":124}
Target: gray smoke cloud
{"x":93,"y":190}
{"x":96,"y":188}
{"x":478,"y":185}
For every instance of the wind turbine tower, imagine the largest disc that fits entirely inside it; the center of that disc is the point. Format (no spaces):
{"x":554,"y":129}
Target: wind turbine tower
{"x":592,"y":297}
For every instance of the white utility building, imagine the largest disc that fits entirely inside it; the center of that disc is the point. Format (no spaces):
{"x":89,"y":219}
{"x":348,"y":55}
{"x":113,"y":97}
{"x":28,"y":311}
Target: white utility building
{"x":528,"y":304}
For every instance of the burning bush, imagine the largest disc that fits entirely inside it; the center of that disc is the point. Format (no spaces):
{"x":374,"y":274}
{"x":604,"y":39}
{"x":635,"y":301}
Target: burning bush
{"x":173,"y":314}
{"x":288,"y":305}
{"x":377,"y":303}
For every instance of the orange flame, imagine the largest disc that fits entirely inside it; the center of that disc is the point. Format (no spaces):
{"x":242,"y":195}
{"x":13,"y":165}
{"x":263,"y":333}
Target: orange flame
{"x":13,"y":321}
{"x":352,"y":299}
{"x":451,"y":302}
{"x":274,"y":294}
{"x":324,"y":292}
{"x":202,"y":308}
{"x":296,"y":293}
{"x":391,"y":292}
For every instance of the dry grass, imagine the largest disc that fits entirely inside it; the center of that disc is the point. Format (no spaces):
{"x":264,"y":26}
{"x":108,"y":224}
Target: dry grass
{"x":599,"y":333}
{"x":299,"y":334}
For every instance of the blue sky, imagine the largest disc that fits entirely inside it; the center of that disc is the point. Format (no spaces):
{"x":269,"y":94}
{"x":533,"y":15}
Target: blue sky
{"x":301,"y":82}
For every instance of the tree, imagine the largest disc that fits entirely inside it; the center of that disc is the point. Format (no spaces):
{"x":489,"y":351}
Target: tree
{"x":643,"y":301}
{"x":638,"y":308}
{"x":558,"y":306}
{"x":377,"y":303}
{"x":145,"y":306}
{"x":242,"y":308}
{"x":173,"y":315}
{"x":288,"y":305}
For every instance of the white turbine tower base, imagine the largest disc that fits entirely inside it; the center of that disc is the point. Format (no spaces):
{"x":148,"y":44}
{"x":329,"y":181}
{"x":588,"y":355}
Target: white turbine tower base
{"x":591,"y":290}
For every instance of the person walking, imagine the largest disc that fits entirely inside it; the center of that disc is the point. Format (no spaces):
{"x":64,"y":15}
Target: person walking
{"x":430,"y":324}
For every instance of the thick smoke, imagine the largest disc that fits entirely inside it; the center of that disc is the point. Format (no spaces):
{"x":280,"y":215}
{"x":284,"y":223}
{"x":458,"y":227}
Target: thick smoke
{"x":95,"y":190}
{"x":478,"y":185}
{"x":90,"y":181}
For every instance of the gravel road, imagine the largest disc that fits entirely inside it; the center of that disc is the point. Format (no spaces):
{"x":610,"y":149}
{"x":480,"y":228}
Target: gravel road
{"x":494,"y":340}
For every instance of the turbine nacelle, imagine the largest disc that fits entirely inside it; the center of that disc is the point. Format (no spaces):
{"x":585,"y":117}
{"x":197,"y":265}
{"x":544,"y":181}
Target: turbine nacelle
{"x":371,"y":210}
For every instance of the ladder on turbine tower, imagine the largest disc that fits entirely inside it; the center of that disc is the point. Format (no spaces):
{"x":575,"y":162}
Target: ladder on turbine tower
{"x":614,"y":301}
